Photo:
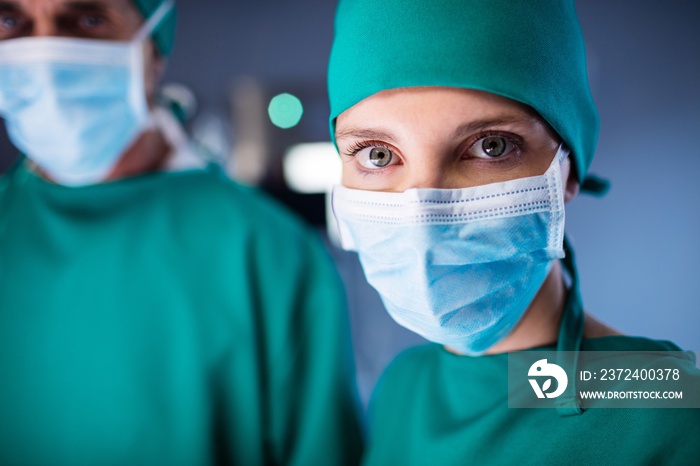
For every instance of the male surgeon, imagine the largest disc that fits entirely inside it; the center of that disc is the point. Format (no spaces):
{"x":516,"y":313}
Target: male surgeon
{"x":151,"y":311}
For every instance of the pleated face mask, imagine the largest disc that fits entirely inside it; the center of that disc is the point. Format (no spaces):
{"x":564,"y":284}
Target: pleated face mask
{"x":458,"y":266}
{"x":74,"y":105}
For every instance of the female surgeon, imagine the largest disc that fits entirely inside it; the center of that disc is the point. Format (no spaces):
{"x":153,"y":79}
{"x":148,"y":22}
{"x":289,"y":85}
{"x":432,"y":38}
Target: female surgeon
{"x":464,"y":127}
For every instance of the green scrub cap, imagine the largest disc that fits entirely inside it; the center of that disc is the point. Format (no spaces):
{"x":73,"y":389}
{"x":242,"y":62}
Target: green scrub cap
{"x":164,"y":34}
{"x":529,"y":51}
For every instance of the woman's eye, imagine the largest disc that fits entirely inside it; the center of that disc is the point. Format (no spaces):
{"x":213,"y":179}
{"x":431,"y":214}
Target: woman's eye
{"x":491,"y":147}
{"x":376,"y":157}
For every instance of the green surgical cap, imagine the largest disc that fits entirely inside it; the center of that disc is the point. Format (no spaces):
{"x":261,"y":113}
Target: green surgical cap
{"x":164,"y":35}
{"x":529,"y":51}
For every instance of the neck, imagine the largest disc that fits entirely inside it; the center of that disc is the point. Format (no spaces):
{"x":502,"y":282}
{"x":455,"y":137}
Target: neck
{"x":147,"y":154}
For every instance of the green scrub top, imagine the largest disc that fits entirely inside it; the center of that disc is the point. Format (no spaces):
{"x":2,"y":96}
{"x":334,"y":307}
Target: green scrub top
{"x":432,"y":407}
{"x":171,"y":318}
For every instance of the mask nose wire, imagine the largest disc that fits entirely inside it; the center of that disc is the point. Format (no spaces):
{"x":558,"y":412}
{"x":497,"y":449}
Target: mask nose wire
{"x":153,"y":21}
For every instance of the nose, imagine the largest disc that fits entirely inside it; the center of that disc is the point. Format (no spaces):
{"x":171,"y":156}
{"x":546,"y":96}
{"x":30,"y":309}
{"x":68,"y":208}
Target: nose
{"x":431,"y":169}
{"x":42,"y":19}
{"x":43,"y":27}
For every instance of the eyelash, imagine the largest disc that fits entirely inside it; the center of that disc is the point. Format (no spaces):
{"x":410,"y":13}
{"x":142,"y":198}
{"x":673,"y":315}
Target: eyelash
{"x":357,"y":147}
{"x":517,"y":142}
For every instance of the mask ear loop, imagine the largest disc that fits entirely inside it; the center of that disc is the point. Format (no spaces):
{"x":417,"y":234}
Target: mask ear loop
{"x":153,"y":21}
{"x":138,"y":91}
{"x":570,"y":337}
{"x":561,"y":155}
{"x":559,"y":158}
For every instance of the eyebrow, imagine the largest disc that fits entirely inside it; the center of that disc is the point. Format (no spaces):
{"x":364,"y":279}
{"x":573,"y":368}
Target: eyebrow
{"x":92,"y":5}
{"x":480,"y":125}
{"x":365,"y":133}
{"x":87,"y":6}
{"x":9,"y":6}
{"x":461,"y":131}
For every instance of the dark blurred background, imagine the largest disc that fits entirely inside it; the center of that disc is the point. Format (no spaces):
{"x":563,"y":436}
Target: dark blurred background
{"x":637,"y":247}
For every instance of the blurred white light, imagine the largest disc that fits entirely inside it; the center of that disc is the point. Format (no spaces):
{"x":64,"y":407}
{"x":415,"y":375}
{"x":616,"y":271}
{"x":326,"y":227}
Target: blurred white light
{"x":182,"y":96}
{"x":312,"y":167}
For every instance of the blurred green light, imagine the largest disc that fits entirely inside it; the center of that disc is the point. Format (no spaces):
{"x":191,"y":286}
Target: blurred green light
{"x":285,"y":110}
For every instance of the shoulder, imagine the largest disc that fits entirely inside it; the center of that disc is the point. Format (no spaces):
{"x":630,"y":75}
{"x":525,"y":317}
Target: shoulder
{"x":408,"y":360}
{"x":216,"y":189}
{"x":645,"y":351}
{"x":209,"y":196}
{"x":627,"y":343}
{"x":405,"y":370}
{"x":655,"y":435}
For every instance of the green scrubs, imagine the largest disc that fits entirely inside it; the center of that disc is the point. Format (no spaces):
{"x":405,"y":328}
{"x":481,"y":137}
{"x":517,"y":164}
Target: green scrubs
{"x":171,"y":318}
{"x":432,"y":407}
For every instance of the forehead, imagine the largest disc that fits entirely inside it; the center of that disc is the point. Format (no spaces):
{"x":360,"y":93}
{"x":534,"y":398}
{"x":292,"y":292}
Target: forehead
{"x":435,"y":105}
{"x":54,"y":6}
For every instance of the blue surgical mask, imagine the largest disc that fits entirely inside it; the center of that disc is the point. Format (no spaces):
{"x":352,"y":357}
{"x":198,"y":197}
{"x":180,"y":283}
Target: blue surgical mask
{"x":457,"y":266}
{"x":74,"y":105}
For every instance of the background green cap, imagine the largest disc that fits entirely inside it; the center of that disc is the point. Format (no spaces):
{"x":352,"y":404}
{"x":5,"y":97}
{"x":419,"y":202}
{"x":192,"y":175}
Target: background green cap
{"x":529,"y":51}
{"x":164,"y":34}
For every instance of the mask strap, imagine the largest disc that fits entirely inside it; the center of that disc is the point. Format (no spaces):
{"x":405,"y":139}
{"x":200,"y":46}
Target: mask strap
{"x":562,"y":153}
{"x":153,"y":21}
{"x":570,"y":336}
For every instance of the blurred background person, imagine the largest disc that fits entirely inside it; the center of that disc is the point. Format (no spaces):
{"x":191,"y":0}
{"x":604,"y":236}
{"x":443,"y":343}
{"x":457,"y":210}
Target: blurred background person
{"x":152,"y":311}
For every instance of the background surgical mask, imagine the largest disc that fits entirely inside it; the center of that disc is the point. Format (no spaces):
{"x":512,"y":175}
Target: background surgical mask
{"x":74,"y":105}
{"x":457,"y":266}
